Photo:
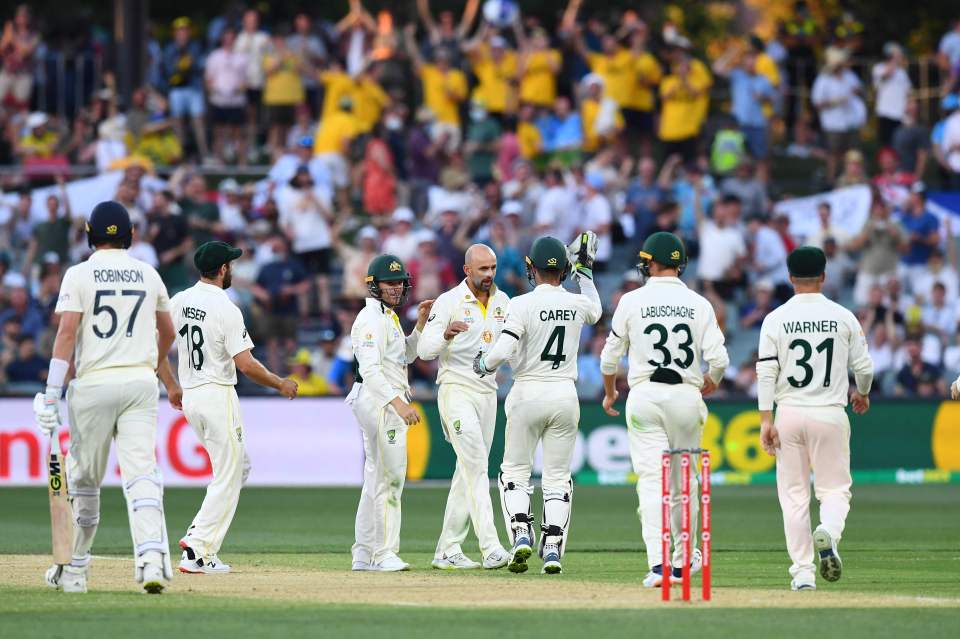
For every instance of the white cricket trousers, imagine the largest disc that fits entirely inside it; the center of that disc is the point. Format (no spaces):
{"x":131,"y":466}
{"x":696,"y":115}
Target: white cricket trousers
{"x":377,"y":527}
{"x":818,"y":438}
{"x":213,"y":411}
{"x":122,"y":406}
{"x":469,"y":419}
{"x":540,"y":411}
{"x":662,"y":416}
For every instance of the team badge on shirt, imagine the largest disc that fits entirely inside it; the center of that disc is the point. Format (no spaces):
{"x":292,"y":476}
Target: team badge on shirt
{"x":467,"y":317}
{"x":391,"y":436}
{"x":487,"y":336}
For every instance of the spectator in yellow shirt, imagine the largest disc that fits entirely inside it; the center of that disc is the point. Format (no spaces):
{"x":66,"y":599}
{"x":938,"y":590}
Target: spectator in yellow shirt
{"x":444,"y":88}
{"x":616,"y":66}
{"x":336,"y":84}
{"x":638,"y":110}
{"x":681,"y":95}
{"x":528,"y":135}
{"x":301,"y":371}
{"x":40,"y":141}
{"x":282,"y":92}
{"x":767,"y":67}
{"x":332,"y":143}
{"x":496,"y":69}
{"x":538,"y":67}
{"x":369,"y":100}
{"x":600,"y":115}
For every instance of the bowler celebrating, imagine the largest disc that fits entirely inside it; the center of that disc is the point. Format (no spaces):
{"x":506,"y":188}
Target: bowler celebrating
{"x":213,"y":344}
{"x":541,"y":339}
{"x":667,"y":330}
{"x":463,"y":322}
{"x":115,"y":320}
{"x":806,"y":347}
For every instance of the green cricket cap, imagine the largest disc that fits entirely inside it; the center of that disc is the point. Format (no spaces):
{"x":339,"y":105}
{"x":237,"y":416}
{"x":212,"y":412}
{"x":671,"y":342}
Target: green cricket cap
{"x":806,"y":261}
{"x":212,"y":255}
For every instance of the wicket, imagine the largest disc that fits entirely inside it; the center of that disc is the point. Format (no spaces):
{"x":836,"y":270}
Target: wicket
{"x":685,"y":520}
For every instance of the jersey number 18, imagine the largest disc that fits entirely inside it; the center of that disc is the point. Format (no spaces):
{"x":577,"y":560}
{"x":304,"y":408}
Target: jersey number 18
{"x":194,"y":336}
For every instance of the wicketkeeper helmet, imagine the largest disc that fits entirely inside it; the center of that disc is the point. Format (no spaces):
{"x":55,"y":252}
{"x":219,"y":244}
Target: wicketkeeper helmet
{"x":548,"y":254}
{"x":387,"y":268}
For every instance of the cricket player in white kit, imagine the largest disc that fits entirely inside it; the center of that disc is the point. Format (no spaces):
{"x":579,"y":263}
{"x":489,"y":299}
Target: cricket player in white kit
{"x":213,"y":344}
{"x":115,"y":323}
{"x":380,"y":400}
{"x":541,"y":340}
{"x":668,"y":332}
{"x":463,"y":322}
{"x":806,"y":347}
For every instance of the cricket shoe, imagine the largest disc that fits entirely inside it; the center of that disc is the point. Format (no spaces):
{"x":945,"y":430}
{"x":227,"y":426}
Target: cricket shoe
{"x":497,"y":559}
{"x":797,"y":585}
{"x":826,"y":546}
{"x":362,"y":566}
{"x":521,"y":552}
{"x":391,"y":563}
{"x":654,"y":578}
{"x":456,"y":561}
{"x":696,"y":563}
{"x":551,"y":560}
{"x":153,"y":579}
{"x":192,"y":564}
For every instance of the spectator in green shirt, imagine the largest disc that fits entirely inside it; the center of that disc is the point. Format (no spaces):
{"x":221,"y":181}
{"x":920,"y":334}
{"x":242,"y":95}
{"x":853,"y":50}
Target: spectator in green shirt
{"x":202,"y":216}
{"x":53,"y":234}
{"x":483,"y":136}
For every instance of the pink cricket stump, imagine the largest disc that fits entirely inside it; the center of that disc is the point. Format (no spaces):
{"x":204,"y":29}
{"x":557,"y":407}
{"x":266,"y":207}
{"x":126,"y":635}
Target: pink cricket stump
{"x":665,"y":563}
{"x":705,"y":521}
{"x":685,"y":523}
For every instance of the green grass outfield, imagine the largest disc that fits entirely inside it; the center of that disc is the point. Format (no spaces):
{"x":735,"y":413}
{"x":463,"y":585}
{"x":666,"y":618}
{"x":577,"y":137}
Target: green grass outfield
{"x":901,"y":543}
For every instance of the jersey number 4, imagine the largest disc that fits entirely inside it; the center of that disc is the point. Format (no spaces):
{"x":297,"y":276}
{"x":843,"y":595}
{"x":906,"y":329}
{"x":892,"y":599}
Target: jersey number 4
{"x":555,"y":344}
{"x":99,"y":307}
{"x":194,"y":336}
{"x":806,"y":352}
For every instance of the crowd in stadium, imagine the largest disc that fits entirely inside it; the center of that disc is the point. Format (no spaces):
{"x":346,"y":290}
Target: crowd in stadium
{"x":421,"y":138}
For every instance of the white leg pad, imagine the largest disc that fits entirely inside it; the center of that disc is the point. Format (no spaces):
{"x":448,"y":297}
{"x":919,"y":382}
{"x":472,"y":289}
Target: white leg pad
{"x":556,"y":516}
{"x":148,"y":526}
{"x":515,"y":502}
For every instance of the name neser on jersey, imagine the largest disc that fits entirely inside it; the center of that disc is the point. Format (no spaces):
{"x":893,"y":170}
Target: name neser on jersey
{"x":114,"y":275}
{"x":818,"y":326}
{"x":667,"y":311}
{"x":189,"y":312}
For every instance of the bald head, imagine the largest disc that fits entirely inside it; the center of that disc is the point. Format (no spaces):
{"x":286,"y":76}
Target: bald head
{"x":480,"y":266}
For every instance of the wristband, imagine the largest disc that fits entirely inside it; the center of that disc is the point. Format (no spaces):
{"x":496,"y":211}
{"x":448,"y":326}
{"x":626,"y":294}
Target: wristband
{"x":57,"y":373}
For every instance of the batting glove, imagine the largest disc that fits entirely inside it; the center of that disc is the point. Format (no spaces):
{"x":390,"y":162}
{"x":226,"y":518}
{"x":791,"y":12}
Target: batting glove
{"x":479,"y":367}
{"x":46,"y":411}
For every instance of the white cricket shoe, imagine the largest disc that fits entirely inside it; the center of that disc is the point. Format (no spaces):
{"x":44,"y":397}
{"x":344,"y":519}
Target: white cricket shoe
{"x":521,"y":552}
{"x":153,"y":579}
{"x":362,"y":566}
{"x":497,"y":559}
{"x":551,"y":560}
{"x":696,"y":564}
{"x":192,"y":564}
{"x":798,"y":584}
{"x":73,"y":579}
{"x":391,"y":563}
{"x":654,"y":578}
{"x":826,"y":546}
{"x":456,"y":561}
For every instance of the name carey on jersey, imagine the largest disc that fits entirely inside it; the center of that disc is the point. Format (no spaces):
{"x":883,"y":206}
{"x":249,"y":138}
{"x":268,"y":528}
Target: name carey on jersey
{"x":558,"y":315}
{"x":114,"y":275}
{"x":189,"y":312}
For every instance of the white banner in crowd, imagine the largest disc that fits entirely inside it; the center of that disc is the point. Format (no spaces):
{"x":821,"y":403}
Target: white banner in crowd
{"x":307,"y":442}
{"x":849,"y":208}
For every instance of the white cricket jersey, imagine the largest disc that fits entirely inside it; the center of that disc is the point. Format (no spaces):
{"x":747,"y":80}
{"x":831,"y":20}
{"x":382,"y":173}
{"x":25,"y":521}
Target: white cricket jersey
{"x":456,"y":356}
{"x":119,"y":298}
{"x":210,"y":333}
{"x":665,"y":325}
{"x":382,"y":352}
{"x":541,"y":336}
{"x":806,"y":347}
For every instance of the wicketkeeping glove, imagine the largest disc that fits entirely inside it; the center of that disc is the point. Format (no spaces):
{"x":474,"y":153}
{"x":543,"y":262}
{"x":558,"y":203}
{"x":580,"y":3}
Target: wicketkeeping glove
{"x":478,"y":366}
{"x":46,"y":411}
{"x":582,"y":251}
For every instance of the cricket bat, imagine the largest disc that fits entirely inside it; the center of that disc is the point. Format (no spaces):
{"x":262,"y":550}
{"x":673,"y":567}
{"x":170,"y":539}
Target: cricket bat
{"x":61,"y":513}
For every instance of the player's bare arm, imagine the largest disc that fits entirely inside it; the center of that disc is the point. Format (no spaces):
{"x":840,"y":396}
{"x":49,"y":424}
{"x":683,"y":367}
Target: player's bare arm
{"x":610,"y":394}
{"x":256,"y":371}
{"x":165,"y":338}
{"x":769,"y":438}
